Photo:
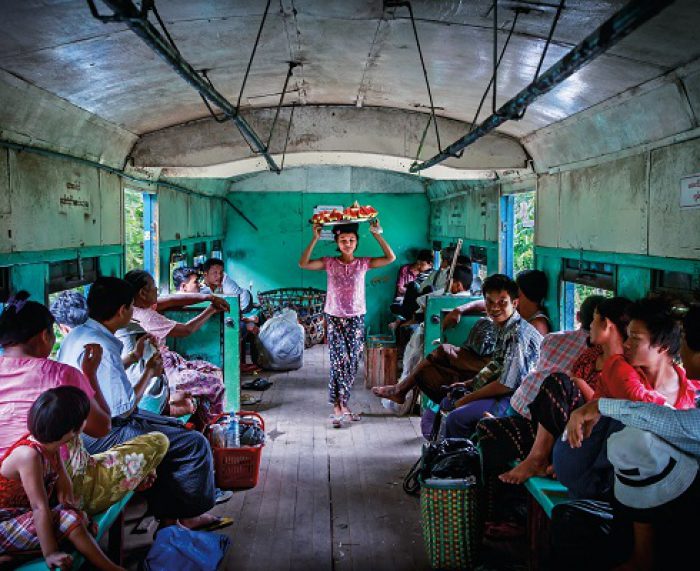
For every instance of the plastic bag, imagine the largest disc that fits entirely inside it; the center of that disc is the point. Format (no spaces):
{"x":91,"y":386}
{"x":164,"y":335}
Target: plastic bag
{"x":176,"y":547}
{"x":281,"y":342}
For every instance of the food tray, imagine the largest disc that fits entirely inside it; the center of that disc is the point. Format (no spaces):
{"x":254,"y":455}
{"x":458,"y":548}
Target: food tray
{"x":348,"y":221}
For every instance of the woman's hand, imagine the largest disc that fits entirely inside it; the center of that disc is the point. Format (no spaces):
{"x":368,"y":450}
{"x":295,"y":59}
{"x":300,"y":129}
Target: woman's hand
{"x":316,"y":230}
{"x":92,"y":357}
{"x":581,"y":423}
{"x":59,"y":560}
{"x":140,"y":346}
{"x":375,"y":228}
{"x":155,"y":364}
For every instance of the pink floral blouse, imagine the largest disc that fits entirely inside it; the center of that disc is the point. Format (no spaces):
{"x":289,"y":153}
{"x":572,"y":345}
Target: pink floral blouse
{"x":346,"y":287}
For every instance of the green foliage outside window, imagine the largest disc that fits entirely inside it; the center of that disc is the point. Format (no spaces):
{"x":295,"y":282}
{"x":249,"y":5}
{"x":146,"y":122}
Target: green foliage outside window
{"x":133,"y":229}
{"x":524,"y":232}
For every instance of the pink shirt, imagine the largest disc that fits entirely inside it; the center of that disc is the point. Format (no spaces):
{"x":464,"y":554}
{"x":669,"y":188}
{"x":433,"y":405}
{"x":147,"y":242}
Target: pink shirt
{"x":154,"y":323}
{"x":22,"y":380}
{"x":346,"y":287}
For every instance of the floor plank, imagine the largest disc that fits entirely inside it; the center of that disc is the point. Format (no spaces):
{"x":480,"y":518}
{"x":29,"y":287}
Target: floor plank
{"x":326,"y":499}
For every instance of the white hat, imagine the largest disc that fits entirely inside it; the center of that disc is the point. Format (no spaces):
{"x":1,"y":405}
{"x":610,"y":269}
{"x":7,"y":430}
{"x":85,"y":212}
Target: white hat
{"x":649,"y":472}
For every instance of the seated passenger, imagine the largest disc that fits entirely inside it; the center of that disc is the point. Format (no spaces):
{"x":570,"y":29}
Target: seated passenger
{"x":186,"y":280}
{"x":27,"y":337}
{"x":511,"y":437}
{"x":69,"y":309}
{"x":414,"y":272}
{"x":215,"y":280}
{"x":649,"y":376}
{"x":184,"y":488}
{"x":532,"y":289}
{"x":516,"y":351}
{"x":665,"y":504}
{"x":31,"y":517}
{"x":197,"y":378}
{"x":515,"y":355}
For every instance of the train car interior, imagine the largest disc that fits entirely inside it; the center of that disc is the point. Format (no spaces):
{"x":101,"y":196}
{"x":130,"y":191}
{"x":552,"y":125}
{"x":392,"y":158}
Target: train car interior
{"x":179,"y":183}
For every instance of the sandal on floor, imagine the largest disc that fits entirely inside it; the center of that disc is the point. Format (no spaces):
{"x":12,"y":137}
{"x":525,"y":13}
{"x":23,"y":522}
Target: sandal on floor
{"x":258,"y":384}
{"x":249,"y":400}
{"x":336,"y":421}
{"x":503,"y":530}
{"x":351,"y":416}
{"x":218,"y":523}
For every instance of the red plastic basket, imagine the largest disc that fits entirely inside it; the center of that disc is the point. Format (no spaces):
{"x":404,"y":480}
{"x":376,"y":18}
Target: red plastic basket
{"x":237,"y":468}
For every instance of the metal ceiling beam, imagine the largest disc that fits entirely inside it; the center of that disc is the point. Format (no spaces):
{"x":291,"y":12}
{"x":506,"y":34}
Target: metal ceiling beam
{"x":126,"y":11}
{"x":621,"y":24}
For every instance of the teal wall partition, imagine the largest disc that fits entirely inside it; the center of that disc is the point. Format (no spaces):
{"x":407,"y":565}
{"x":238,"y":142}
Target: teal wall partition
{"x":268,"y":257}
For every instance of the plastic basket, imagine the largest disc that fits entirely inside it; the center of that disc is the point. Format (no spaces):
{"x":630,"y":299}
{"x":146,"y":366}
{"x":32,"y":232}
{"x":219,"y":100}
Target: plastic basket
{"x":308,"y":304}
{"x":452,"y":527}
{"x":236,"y":468}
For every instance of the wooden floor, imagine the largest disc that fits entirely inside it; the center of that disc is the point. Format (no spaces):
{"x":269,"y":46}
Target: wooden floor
{"x":327,"y":499}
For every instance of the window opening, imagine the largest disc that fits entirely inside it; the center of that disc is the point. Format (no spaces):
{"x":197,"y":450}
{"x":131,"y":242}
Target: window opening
{"x":217,"y":250}
{"x":200,"y":254}
{"x":479,"y":262}
{"x":178,"y":259}
{"x":517,"y":238}
{"x":683,"y":288}
{"x":71,"y":274}
{"x":4,"y":285}
{"x":581,"y":279}
{"x":140,"y":231}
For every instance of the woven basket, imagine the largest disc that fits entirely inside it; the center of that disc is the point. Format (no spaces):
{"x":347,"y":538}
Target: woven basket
{"x":308,"y":304}
{"x":452,"y":527}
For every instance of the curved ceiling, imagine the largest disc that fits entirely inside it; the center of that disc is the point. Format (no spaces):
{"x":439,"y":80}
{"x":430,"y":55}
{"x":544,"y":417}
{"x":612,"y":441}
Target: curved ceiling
{"x":351,"y":53}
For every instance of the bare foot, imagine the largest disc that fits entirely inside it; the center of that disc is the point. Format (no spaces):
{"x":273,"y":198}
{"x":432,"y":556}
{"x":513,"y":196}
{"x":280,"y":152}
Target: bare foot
{"x":389,"y":392}
{"x":199,"y":521}
{"x":531,"y":466}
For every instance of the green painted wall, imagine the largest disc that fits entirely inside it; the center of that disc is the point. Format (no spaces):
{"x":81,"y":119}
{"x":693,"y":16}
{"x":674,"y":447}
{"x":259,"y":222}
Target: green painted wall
{"x":268,"y":257}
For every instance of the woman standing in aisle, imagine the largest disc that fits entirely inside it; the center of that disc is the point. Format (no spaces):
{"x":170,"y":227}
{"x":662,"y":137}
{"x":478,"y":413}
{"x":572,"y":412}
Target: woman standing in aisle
{"x":345,"y":308}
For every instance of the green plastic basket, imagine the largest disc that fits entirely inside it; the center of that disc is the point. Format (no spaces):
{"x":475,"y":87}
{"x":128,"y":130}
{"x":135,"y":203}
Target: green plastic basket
{"x":452,"y":526}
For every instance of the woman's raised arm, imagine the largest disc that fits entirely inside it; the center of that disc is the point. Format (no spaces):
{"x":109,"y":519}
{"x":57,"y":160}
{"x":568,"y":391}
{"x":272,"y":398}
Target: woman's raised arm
{"x":388,"y":256}
{"x":305,"y":263}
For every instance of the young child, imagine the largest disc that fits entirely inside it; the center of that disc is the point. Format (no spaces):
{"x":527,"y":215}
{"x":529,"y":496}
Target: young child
{"x":31,"y":471}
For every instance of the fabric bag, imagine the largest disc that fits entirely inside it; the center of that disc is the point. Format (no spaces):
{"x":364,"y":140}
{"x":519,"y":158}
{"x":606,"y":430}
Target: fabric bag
{"x":176,"y":547}
{"x":281,"y":342}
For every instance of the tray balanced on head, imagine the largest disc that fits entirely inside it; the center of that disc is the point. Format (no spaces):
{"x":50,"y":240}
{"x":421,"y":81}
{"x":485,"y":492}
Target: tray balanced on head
{"x":354,"y":213}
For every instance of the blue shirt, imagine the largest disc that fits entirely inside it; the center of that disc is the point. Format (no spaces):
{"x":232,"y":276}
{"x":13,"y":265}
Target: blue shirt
{"x":111,"y":375}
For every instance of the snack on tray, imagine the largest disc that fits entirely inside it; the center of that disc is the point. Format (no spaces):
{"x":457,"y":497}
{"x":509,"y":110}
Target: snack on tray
{"x":354,"y":212}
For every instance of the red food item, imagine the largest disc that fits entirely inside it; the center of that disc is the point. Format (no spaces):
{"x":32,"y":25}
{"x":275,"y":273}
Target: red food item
{"x":335,"y":215}
{"x":351,"y":213}
{"x":368,"y":211}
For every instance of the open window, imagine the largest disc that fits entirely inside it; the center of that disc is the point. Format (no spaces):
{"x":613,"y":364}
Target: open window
{"x":581,"y":279}
{"x":683,"y":288}
{"x":72,"y":274}
{"x":4,"y":286}
{"x":217,"y":250}
{"x":200,"y":254}
{"x":178,"y":259}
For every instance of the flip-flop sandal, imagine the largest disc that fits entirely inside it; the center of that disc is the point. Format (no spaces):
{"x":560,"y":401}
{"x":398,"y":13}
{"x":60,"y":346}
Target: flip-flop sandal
{"x":222,"y":496}
{"x":218,"y":523}
{"x":336,"y":421}
{"x":352,"y":416}
{"x":249,"y":400}
{"x":259,"y":384}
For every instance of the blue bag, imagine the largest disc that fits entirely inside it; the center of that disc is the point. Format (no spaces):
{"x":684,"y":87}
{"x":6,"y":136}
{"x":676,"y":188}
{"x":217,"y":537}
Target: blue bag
{"x":178,"y":548}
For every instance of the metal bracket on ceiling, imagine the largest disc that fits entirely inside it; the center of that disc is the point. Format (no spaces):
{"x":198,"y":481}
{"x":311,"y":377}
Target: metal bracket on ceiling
{"x":137,"y":20}
{"x":620,"y":25}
